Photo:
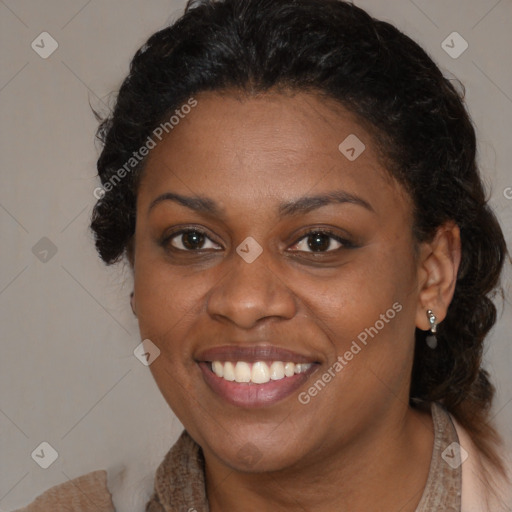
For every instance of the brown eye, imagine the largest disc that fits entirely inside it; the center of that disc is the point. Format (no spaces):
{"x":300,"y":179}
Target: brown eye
{"x":191,"y":240}
{"x":320,"y":241}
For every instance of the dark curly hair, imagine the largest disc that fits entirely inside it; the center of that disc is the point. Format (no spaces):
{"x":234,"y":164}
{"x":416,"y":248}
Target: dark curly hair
{"x":416,"y":116}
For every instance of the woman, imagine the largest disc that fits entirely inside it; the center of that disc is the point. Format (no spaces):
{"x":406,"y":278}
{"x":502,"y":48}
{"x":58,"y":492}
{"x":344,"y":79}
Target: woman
{"x":294,"y":185}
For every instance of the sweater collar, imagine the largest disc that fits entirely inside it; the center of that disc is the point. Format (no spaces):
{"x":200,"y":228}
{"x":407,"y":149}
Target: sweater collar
{"x":179,"y":480}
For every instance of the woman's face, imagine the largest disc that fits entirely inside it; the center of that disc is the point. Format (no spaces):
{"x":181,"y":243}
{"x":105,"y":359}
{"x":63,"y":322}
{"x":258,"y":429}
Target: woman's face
{"x":253,"y":177}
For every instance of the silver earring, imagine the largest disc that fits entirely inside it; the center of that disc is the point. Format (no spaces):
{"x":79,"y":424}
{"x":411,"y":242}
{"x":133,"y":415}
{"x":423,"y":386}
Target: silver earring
{"x":431,"y":339}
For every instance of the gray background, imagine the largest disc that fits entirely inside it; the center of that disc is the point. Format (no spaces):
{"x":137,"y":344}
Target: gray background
{"x":68,"y":374}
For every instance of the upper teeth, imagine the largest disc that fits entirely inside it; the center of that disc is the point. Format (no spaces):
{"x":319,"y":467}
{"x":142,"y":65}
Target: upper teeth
{"x":258,"y":372}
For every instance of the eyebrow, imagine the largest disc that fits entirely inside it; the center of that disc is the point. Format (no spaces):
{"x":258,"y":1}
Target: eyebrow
{"x":301,"y":205}
{"x":197,"y":203}
{"x":307,"y":203}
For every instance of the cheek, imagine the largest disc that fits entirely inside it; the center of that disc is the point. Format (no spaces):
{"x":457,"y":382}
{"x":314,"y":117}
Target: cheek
{"x":368,"y":312}
{"x":166,"y":298}
{"x":356,"y":296}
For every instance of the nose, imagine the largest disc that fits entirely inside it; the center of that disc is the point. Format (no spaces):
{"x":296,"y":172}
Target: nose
{"x":249,"y":293}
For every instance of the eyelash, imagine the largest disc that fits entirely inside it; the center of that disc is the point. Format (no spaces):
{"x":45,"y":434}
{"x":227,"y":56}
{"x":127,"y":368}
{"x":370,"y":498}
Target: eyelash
{"x":346,"y":244}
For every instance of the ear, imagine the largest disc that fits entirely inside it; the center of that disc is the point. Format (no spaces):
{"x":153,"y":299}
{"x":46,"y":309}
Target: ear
{"x":130,"y":253}
{"x":437,"y":273}
{"x":132,"y":303}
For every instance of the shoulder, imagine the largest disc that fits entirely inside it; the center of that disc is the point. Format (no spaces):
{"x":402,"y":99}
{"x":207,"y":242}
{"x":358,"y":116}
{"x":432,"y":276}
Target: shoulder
{"x":483,"y":488}
{"x":87,"y":493}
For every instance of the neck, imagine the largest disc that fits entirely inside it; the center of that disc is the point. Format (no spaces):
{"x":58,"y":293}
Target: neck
{"x":387,"y":465}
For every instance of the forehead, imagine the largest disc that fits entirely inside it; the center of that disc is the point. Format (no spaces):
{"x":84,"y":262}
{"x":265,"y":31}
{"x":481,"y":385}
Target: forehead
{"x":242,"y":149}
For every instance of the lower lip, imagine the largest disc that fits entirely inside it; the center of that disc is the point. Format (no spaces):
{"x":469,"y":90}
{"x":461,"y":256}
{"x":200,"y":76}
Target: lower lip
{"x":248,"y":394}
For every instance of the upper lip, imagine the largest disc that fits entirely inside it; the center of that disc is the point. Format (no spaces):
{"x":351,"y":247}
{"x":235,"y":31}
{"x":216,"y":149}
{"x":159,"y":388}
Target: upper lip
{"x":252,"y":353}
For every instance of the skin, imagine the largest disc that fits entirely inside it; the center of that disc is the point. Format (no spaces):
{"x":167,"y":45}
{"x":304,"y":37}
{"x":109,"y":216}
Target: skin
{"x":357,"y":445}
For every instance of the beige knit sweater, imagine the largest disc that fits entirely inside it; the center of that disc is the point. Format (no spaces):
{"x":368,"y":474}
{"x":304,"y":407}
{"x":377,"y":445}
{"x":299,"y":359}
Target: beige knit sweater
{"x":179,"y":480}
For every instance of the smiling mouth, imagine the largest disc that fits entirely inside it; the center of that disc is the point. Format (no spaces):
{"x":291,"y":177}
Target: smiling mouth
{"x":252,"y":376}
{"x":255,"y":384}
{"x":258,"y":372}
